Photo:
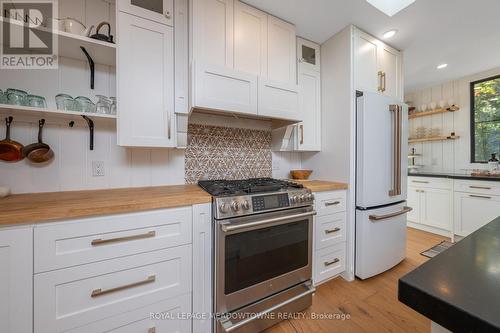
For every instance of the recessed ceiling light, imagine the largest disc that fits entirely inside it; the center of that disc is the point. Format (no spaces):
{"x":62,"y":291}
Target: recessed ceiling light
{"x":390,"y":7}
{"x":442,"y":66}
{"x":390,"y":33}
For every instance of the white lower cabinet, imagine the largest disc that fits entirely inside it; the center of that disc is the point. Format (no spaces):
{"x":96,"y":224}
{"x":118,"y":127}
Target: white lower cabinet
{"x":329,"y":243}
{"x":474,"y":210}
{"x":432,"y":202}
{"x":16,"y":280}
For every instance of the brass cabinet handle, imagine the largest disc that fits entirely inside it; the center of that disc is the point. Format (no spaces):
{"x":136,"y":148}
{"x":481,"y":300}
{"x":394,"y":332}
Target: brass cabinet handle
{"x":335,"y":203}
{"x":301,"y":134}
{"x":479,"y":196}
{"x":168,"y":125}
{"x":334,"y":261}
{"x":97,"y":242}
{"x":420,"y":181}
{"x":152,"y":330}
{"x":420,"y":191}
{"x":100,"y":292}
{"x":388,"y":216}
{"x":379,"y":81}
{"x":331,"y":231}
{"x":383,"y":82}
{"x":480,"y":187}
{"x":167,"y":14}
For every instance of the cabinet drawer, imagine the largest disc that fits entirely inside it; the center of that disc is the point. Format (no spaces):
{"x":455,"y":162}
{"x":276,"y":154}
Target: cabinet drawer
{"x":329,"y":262}
{"x":429,"y":182}
{"x":330,"y":230}
{"x":77,"y":296}
{"x":166,"y":318}
{"x":477,"y":186}
{"x":327,"y":203}
{"x":90,"y":240}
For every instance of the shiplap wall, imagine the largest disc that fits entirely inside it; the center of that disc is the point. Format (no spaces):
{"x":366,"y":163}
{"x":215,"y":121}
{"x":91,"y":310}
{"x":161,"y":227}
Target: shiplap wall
{"x":451,"y":155}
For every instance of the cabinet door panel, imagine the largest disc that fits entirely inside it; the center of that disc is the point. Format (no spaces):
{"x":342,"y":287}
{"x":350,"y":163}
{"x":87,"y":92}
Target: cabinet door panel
{"x":472,"y":211}
{"x":145,"y":83}
{"x":278,"y":100}
{"x":250,"y":39}
{"x":309,"y":131}
{"x":436,"y":208}
{"x":282,"y":65}
{"x":365,"y":62}
{"x":413,"y":202}
{"x":213,"y":27}
{"x":389,"y":64}
{"x":16,"y":281}
{"x":160,"y":11}
{"x":308,"y":55}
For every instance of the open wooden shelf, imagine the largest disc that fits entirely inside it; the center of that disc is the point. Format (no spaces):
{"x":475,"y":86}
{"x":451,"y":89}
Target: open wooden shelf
{"x":432,"y":112}
{"x":28,"y":111}
{"x":433,"y":138}
{"x":69,"y":47}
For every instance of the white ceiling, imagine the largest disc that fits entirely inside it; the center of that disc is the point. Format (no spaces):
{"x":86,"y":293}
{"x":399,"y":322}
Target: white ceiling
{"x":465,"y":34}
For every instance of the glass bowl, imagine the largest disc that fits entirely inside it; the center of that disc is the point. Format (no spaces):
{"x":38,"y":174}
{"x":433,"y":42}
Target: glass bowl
{"x":84,"y":104}
{"x":37,"y":101}
{"x":16,"y":97}
{"x":103,"y":105}
{"x":65,"y":102}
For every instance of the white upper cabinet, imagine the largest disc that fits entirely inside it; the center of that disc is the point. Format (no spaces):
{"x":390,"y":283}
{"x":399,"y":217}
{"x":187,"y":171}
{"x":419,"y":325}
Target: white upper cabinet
{"x":377,"y":66}
{"x":282,"y":64}
{"x":250,"y":39}
{"x":145,"y":83}
{"x":16,"y":281}
{"x":213,"y":32}
{"x":309,"y":130}
{"x":308,"y":55}
{"x":161,"y":11}
{"x":243,"y":60}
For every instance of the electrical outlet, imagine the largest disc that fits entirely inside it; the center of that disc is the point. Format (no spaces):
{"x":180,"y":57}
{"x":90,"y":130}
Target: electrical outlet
{"x":97,"y":168}
{"x":276,"y":164}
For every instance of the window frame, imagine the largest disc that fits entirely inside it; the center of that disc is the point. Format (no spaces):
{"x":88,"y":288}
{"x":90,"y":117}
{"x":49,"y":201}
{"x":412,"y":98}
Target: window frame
{"x":472,"y":119}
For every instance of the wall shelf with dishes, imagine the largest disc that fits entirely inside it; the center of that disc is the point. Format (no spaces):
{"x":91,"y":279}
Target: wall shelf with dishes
{"x":19,"y":110}
{"x":434,"y":138}
{"x":415,"y":114}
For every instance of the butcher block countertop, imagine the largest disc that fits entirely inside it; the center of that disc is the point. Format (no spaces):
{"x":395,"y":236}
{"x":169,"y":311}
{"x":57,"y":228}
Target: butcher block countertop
{"x":321,"y":185}
{"x":45,"y":207}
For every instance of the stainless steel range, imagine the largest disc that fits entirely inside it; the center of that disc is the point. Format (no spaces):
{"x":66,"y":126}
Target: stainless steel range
{"x":263,"y":252}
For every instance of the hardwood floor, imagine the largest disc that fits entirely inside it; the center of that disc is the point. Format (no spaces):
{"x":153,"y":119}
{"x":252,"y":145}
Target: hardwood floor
{"x":372,"y":305}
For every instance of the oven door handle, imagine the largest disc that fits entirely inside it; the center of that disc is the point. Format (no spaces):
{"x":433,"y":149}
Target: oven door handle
{"x":228,"y":228}
{"x":271,"y":309}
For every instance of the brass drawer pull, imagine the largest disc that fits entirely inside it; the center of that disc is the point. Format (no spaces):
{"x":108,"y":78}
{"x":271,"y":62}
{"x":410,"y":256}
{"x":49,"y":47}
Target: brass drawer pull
{"x":334,"y":261}
{"x":152,"y":330}
{"x":420,"y":181}
{"x":100,"y":292}
{"x":331,"y":231}
{"x":480,"y":187}
{"x":335,"y":203}
{"x":479,"y":196}
{"x":99,"y":241}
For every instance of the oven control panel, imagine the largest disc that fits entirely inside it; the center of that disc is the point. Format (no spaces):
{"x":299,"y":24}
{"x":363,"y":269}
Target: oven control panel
{"x":227,"y":207}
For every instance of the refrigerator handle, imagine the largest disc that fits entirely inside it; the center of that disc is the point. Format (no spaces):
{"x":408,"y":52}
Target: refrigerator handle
{"x":376,"y":218}
{"x":397,"y":111}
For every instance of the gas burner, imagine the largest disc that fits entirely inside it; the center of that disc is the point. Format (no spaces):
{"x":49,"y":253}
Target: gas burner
{"x":247,"y":186}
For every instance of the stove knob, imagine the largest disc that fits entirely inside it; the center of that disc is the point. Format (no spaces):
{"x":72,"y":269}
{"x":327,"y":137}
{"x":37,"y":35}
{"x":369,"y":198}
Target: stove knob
{"x":302,"y":198}
{"x":245,"y":205}
{"x":235,"y":206}
{"x":294,"y":199}
{"x":223,"y":208}
{"x":310,"y":197}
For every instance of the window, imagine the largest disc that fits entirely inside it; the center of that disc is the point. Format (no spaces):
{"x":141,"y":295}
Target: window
{"x":485,"y":119}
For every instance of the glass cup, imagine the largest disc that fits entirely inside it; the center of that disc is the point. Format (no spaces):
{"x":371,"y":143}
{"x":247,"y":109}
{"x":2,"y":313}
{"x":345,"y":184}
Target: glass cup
{"x":37,"y":101}
{"x":84,"y":104}
{"x":103,"y":105}
{"x":113,"y":105}
{"x":16,"y":97}
{"x":65,"y":102}
{"x":2,"y":98}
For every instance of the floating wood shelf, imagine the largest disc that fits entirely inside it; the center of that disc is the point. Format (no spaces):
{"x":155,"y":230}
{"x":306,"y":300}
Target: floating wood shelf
{"x":433,"y":138}
{"x":432,"y":112}
{"x":14,"y":110}
{"x":414,"y":155}
{"x":69,"y":47}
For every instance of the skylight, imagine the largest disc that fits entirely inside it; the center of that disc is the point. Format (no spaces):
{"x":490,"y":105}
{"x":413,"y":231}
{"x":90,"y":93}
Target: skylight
{"x":390,"y":7}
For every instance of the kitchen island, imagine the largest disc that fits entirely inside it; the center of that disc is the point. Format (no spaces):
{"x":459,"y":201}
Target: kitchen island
{"x":459,"y":289}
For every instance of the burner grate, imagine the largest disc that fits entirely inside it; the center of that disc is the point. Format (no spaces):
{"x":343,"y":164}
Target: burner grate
{"x":246,"y":186}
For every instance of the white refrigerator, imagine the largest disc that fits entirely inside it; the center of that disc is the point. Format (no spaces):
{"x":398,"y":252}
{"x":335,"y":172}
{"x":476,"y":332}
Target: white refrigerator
{"x":381,"y":183}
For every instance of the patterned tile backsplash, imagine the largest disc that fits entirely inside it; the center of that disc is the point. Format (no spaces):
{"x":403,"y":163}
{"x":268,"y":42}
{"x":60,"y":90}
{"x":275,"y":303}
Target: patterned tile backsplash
{"x":227,"y":153}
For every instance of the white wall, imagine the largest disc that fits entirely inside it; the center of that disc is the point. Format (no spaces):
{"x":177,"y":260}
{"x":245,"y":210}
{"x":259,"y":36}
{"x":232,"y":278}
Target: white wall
{"x":452,"y":155}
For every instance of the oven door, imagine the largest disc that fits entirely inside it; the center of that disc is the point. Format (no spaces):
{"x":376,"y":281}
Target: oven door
{"x":260,"y":255}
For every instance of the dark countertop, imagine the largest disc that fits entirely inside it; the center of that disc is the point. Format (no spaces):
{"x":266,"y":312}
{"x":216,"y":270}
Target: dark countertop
{"x":452,"y":176}
{"x":460,"y":288}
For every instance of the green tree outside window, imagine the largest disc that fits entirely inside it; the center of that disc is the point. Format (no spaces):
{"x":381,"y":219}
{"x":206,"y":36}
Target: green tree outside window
{"x":485,"y":119}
